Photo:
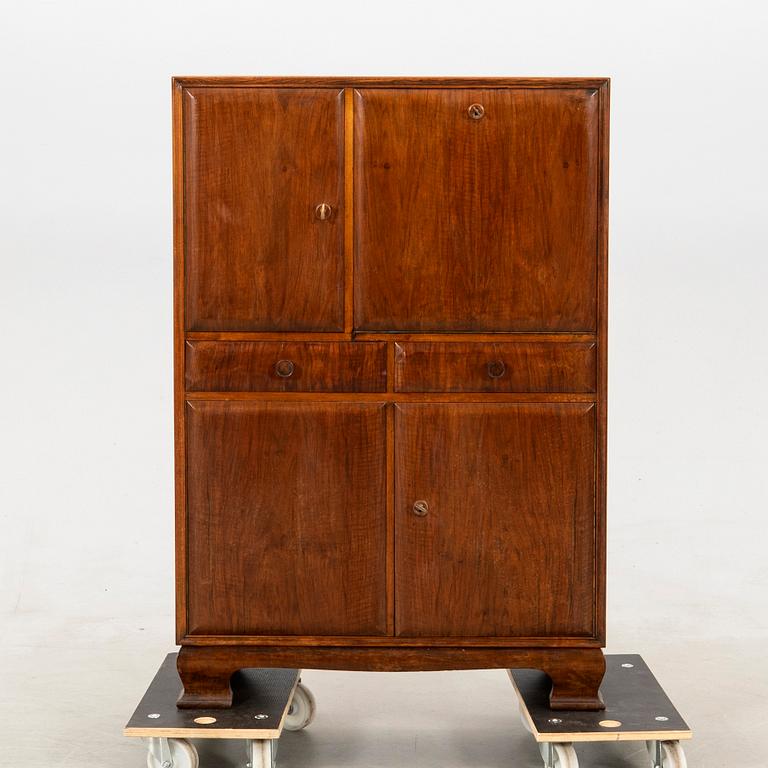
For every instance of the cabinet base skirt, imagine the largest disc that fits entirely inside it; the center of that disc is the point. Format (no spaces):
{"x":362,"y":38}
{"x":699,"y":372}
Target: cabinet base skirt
{"x":205,"y":671}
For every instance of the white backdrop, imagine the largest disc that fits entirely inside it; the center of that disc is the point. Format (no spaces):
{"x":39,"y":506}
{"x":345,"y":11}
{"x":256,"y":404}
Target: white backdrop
{"x":85,"y":241}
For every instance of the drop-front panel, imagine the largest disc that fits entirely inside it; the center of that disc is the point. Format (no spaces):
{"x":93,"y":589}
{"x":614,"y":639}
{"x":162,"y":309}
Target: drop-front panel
{"x":390,"y":377}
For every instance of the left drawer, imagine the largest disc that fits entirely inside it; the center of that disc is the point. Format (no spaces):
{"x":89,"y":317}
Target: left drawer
{"x":290,"y":366}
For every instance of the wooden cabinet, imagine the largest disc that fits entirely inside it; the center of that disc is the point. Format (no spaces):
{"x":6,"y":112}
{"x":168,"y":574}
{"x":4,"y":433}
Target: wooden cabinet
{"x":390,"y":377}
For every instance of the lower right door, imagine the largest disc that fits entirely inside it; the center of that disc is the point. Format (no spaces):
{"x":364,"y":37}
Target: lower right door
{"x":495,"y":520}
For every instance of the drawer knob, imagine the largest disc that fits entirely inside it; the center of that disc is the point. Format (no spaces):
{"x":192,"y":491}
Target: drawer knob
{"x":476,"y":111}
{"x":496,"y":369}
{"x":284,"y":368}
{"x":420,"y":508}
{"x":323,"y":212}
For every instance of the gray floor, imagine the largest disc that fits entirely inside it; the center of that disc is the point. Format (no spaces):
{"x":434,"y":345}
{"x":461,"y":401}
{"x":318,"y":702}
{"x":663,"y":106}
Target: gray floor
{"x":66,"y":697}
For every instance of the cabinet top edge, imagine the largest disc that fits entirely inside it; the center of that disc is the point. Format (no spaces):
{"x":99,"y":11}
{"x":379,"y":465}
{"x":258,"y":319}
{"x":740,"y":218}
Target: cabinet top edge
{"x":187,"y":81}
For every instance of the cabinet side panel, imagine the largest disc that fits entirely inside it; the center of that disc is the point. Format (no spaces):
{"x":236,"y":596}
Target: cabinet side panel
{"x":602,"y":363}
{"x":178,"y":360}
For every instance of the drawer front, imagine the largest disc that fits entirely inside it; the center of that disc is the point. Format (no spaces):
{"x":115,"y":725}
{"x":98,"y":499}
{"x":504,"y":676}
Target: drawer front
{"x":274,"y":366}
{"x":502,"y":367}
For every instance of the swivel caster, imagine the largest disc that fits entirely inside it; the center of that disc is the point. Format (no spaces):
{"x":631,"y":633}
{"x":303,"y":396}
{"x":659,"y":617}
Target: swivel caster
{"x":666,"y":754}
{"x":554,"y":755}
{"x":558,"y":755}
{"x":171,"y":753}
{"x":302,"y":710}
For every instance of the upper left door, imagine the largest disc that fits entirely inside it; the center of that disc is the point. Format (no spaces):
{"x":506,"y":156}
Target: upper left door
{"x":263,"y":199}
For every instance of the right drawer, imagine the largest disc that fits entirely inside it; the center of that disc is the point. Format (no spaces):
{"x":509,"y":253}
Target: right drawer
{"x":495,"y":367}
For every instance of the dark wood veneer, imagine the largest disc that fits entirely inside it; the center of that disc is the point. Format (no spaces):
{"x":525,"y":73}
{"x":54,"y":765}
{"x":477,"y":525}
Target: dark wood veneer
{"x":243,"y":366}
{"x":206,"y":672}
{"x":491,"y":220}
{"x":445,"y":326}
{"x":286,"y":518}
{"x":257,"y":162}
{"x":507,"y":547}
{"x":500,"y":367}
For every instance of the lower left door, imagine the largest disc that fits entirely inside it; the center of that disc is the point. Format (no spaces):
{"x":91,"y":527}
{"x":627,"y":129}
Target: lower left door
{"x":286,"y":518}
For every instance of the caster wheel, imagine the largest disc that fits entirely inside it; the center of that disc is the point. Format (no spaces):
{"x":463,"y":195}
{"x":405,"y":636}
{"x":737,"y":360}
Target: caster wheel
{"x":171,"y":753}
{"x":302,"y":710}
{"x":672,"y":755}
{"x":564,"y":755}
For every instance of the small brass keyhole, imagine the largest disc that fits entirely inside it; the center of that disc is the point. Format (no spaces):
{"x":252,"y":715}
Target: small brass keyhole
{"x":323,"y":212}
{"x":476,"y":111}
{"x":420,"y":508}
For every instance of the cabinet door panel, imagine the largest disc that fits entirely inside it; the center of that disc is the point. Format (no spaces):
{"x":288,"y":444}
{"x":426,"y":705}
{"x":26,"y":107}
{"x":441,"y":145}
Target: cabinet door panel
{"x":286,"y":518}
{"x":476,"y":225}
{"x":257,"y":162}
{"x":507,"y":546}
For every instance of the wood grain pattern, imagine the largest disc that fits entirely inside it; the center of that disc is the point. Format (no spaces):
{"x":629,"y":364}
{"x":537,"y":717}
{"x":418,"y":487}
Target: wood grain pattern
{"x":602,"y":366}
{"x":507,"y":546}
{"x":287,"y":518}
{"x":379,"y":641}
{"x":451,"y":241}
{"x":504,"y":367}
{"x":229,"y":81}
{"x":476,"y":225}
{"x":467,"y":336}
{"x":206,"y":672}
{"x":400,"y":397}
{"x":242,"y":366}
{"x":179,"y":434}
{"x":349,"y":226}
{"x":257,"y":163}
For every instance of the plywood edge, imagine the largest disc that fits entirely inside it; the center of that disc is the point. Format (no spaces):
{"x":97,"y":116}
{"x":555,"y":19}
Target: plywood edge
{"x":560,"y":738}
{"x":287,"y":706}
{"x":202,"y":732}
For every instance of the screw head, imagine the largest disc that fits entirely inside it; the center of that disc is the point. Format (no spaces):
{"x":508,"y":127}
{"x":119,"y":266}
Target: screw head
{"x":261,"y":716}
{"x":661,"y":719}
{"x":554,"y":720}
{"x":166,"y":764}
{"x":153,"y":716}
{"x":476,"y":111}
{"x":628,"y":666}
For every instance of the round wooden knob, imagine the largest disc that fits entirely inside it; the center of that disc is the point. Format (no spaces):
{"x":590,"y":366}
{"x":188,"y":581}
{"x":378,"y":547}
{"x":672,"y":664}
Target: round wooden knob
{"x":496,"y":369}
{"x":476,"y":111}
{"x":420,"y":508}
{"x":284,"y":368}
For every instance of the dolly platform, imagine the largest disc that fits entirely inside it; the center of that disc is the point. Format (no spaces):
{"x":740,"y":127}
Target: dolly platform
{"x":266,"y":701}
{"x":636,"y":709}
